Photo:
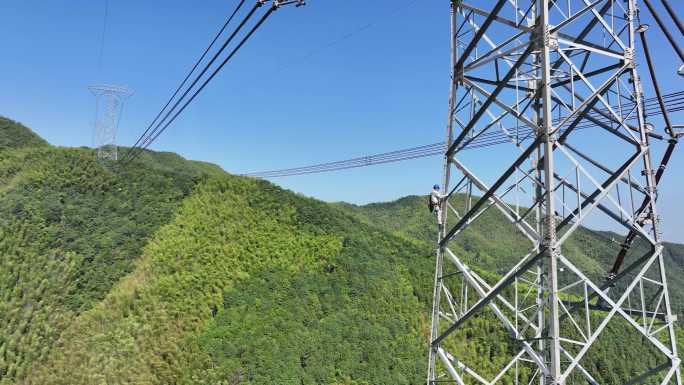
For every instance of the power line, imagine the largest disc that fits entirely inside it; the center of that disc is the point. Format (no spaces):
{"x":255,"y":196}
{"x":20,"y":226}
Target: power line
{"x":324,"y":47}
{"x":153,"y":137}
{"x":171,"y":114}
{"x":146,"y":139}
{"x":674,"y":101}
{"x":225,"y":61}
{"x":102,"y":39}
{"x":150,"y":134}
{"x":204,"y":54}
{"x":673,"y":16}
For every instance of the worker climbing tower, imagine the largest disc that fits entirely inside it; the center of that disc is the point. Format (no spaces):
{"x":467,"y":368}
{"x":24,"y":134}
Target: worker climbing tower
{"x":559,"y":80}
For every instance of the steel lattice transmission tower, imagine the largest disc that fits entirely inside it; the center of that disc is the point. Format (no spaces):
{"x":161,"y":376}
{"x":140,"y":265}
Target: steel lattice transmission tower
{"x":109,"y":101}
{"x":559,"y":79}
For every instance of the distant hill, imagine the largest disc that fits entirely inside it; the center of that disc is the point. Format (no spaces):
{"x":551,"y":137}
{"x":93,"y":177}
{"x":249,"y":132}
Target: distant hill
{"x":171,"y":271}
{"x":492,"y":242}
{"x":16,"y":135}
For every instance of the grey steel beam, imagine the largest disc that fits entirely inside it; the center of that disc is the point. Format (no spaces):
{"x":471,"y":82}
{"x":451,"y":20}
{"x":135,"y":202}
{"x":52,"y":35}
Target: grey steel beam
{"x":491,"y":295}
{"x":450,"y":151}
{"x":556,"y":70}
{"x":502,"y":179}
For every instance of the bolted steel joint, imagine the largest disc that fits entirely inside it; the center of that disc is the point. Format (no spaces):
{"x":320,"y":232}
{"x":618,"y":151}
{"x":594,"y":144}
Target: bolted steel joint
{"x":633,"y":14}
{"x":458,"y":75}
{"x":629,"y":57}
{"x":550,"y":39}
{"x":543,"y":37}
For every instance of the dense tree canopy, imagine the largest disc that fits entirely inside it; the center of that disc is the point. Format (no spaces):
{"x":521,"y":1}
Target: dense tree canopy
{"x":174,"y":272}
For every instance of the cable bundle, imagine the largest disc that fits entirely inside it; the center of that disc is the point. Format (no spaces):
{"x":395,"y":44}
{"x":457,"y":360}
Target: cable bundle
{"x":177,"y":104}
{"x":674,"y":102}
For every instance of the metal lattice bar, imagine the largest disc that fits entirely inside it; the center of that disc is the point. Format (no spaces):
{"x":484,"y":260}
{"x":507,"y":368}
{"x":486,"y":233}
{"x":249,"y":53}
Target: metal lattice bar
{"x":565,"y":66}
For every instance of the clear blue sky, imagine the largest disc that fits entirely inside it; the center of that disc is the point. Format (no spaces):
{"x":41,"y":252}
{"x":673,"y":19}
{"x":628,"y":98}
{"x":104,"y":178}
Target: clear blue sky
{"x":275,"y":105}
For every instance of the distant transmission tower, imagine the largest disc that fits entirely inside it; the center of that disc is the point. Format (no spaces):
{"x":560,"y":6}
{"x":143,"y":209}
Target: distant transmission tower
{"x":559,"y":80}
{"x":109,"y":101}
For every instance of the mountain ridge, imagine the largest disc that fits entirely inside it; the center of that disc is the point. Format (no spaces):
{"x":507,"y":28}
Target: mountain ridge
{"x":175,"y":272}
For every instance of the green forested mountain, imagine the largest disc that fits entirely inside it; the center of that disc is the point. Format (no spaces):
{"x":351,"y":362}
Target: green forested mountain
{"x":69,"y":230}
{"x":174,"y":272}
{"x":139,"y":275}
{"x":16,"y":135}
{"x":492,"y":242}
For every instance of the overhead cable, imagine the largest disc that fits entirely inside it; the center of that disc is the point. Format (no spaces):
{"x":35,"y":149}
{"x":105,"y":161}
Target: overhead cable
{"x":175,"y":110}
{"x":197,"y":63}
{"x":674,"y":102}
{"x":216,"y":71}
{"x":147,"y":140}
